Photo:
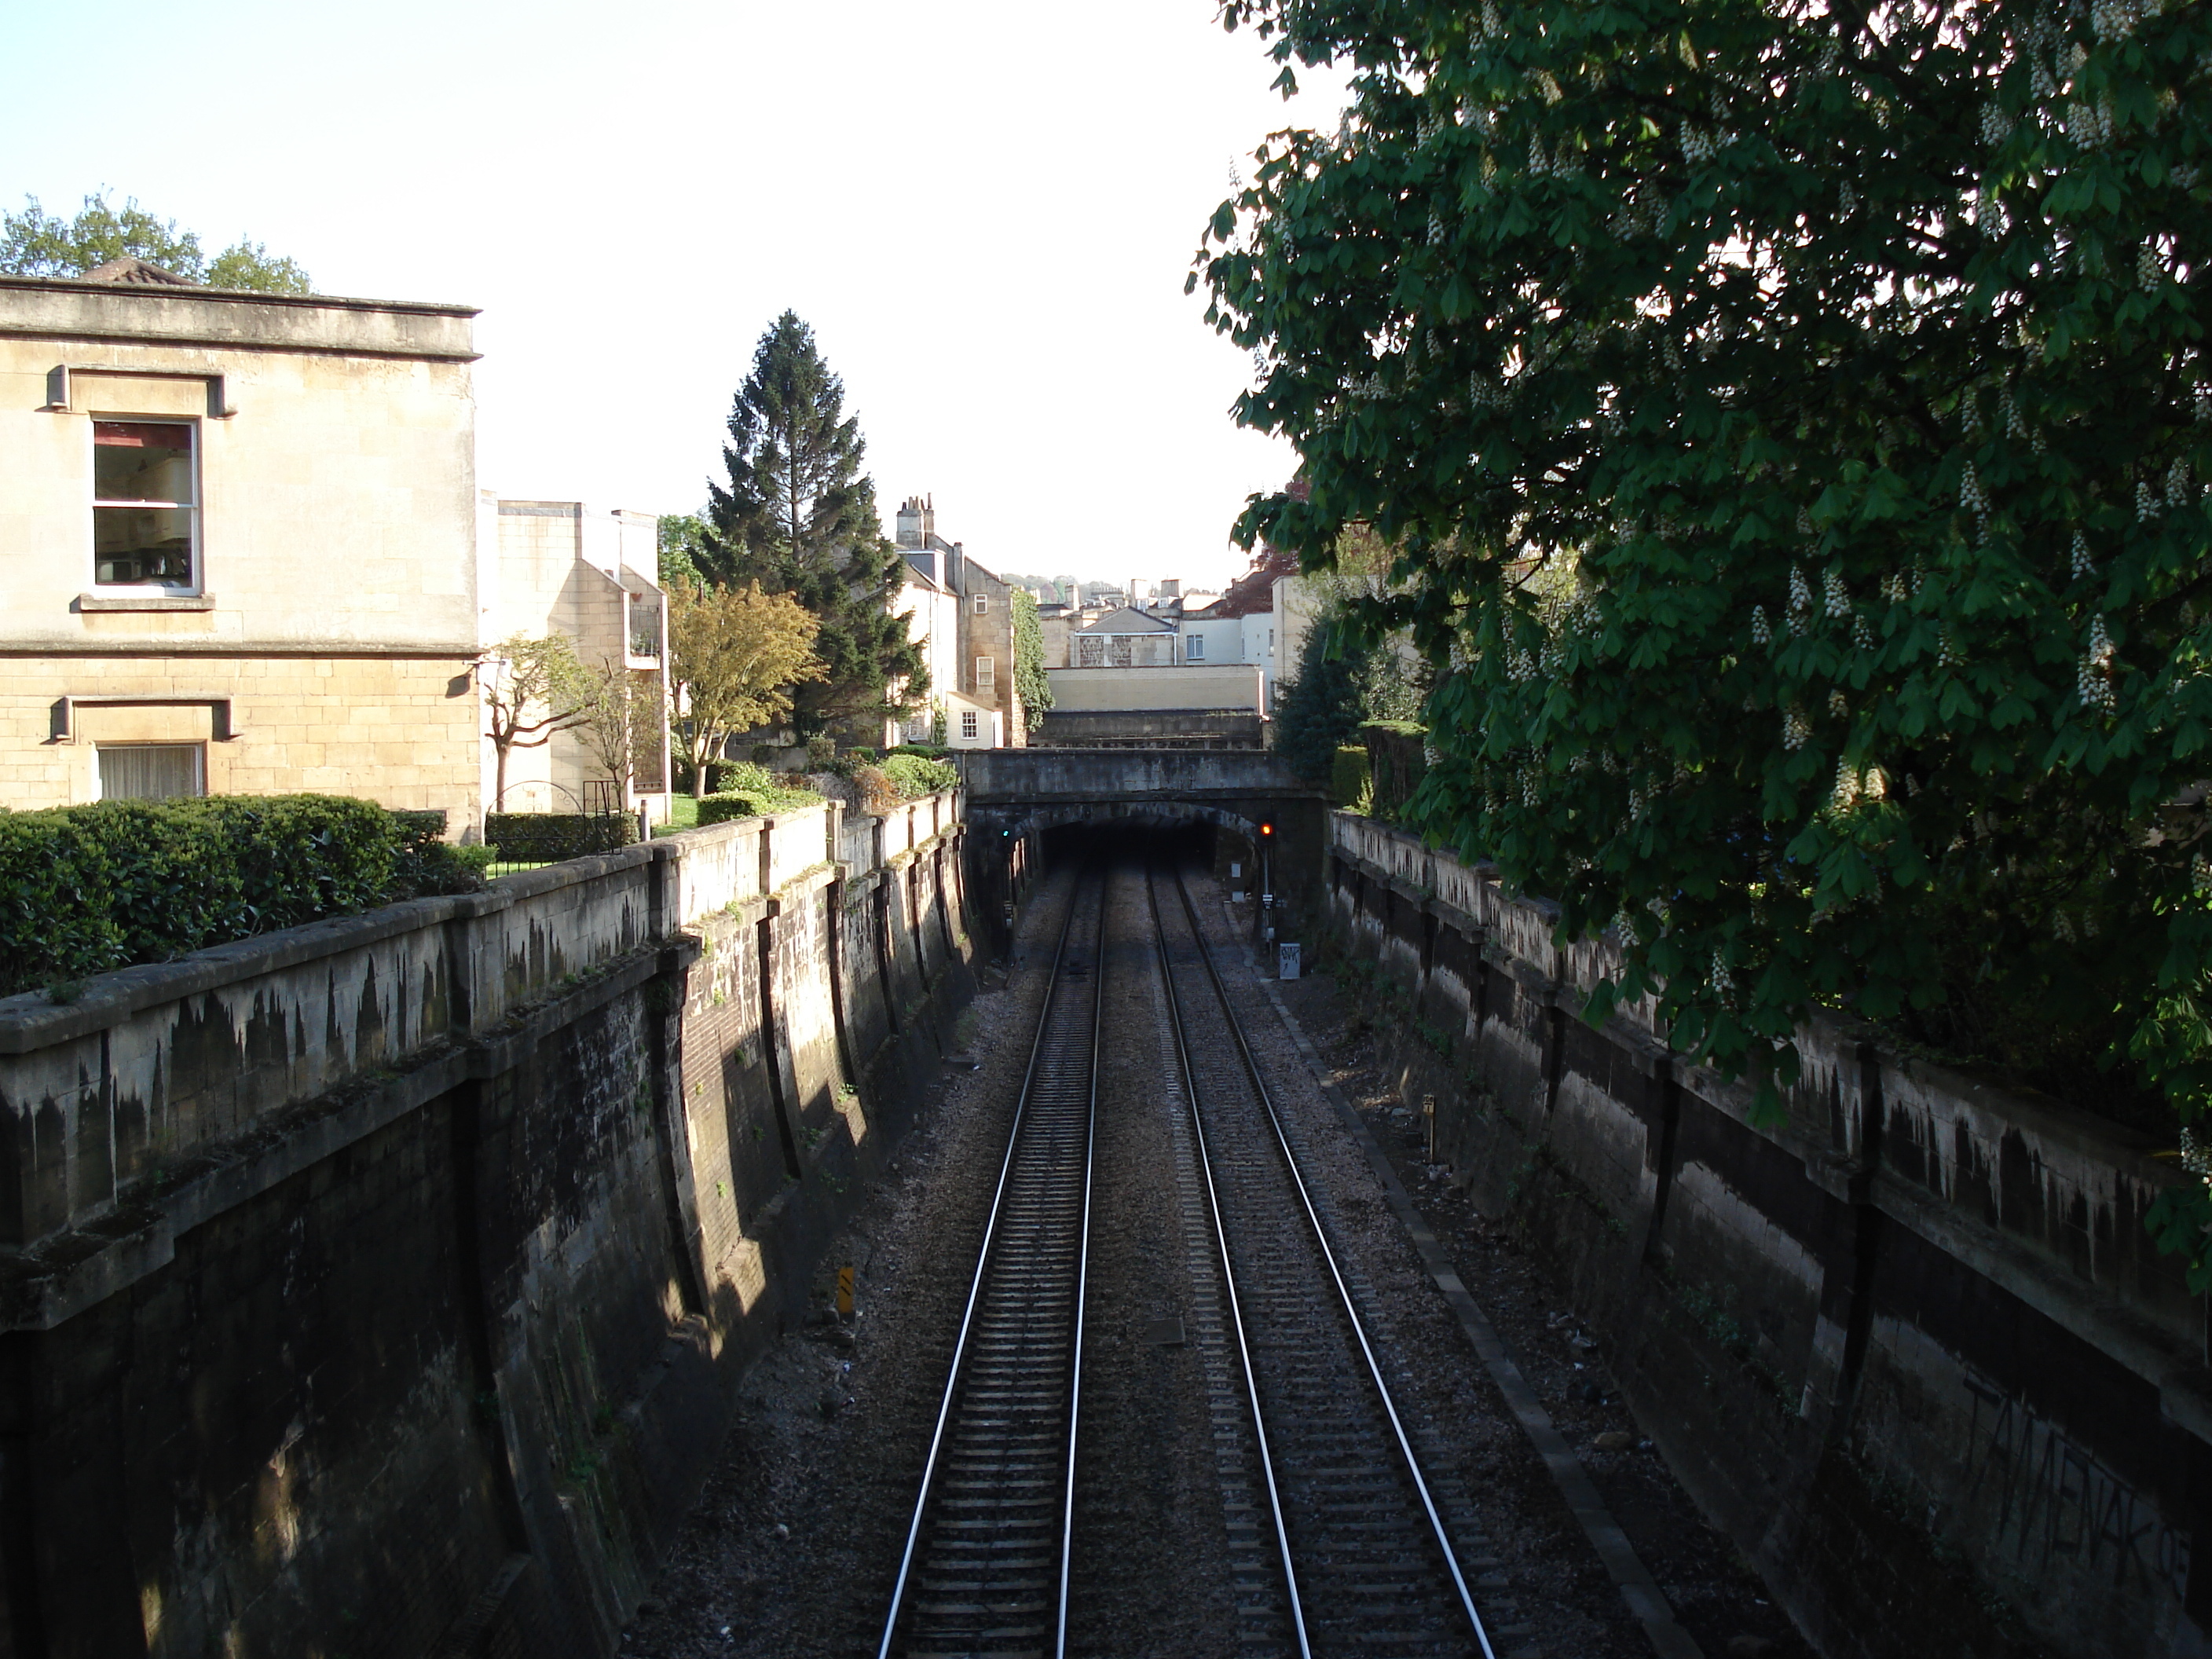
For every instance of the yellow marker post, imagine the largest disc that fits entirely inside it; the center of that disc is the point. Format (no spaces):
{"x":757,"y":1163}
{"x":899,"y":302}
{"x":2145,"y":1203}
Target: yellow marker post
{"x":844,"y":1292}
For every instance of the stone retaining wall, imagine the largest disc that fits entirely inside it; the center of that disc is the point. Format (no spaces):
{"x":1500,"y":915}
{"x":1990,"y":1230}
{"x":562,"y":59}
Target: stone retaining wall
{"x":379,"y":1285}
{"x":1910,"y":1344}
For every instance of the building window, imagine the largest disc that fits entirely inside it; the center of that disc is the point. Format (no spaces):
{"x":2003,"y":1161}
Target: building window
{"x":1193,"y":648}
{"x":982,"y":604}
{"x":986,"y":673}
{"x":151,"y":771}
{"x":968,"y":728}
{"x":145,"y":529}
{"x":1271,"y":642}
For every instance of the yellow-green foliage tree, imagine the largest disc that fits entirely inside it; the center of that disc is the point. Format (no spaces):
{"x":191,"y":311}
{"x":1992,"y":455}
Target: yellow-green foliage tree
{"x":735,"y":654}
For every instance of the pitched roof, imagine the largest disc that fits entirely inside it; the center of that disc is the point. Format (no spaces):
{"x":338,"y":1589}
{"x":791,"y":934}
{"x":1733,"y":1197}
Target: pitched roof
{"x":1253,"y":591}
{"x":1127,"y":621}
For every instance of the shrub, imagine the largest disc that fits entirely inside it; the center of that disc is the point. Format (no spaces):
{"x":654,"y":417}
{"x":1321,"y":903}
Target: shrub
{"x":752,"y":803}
{"x":84,"y":889}
{"x":1350,"y":783}
{"x":425,"y":864}
{"x":1397,"y":760}
{"x":874,"y":791}
{"x":913,"y":775}
{"x":549,"y":837}
{"x":821,"y":753}
{"x":927,"y":750}
{"x":723,"y":776}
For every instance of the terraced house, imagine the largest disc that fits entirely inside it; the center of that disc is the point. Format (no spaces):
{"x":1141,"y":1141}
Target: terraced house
{"x":239,"y":534}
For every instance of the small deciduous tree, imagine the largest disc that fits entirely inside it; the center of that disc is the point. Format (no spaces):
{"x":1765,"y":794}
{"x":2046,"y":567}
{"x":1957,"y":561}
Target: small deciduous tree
{"x":36,"y":243}
{"x":683,"y":539}
{"x":735,"y":655}
{"x":623,"y":724}
{"x":534,"y":688}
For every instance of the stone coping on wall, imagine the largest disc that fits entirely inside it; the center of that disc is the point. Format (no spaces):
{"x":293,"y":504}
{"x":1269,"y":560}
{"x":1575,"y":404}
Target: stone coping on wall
{"x":151,"y":1065}
{"x":234,"y":319}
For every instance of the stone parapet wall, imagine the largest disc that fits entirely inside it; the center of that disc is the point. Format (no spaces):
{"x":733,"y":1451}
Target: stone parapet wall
{"x":1909,"y":1341}
{"x":396,"y":1270}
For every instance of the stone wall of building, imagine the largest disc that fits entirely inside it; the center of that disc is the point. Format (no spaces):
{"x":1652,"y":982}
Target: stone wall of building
{"x":330,"y":619}
{"x":391,"y":1275}
{"x":401,"y":730}
{"x":1909,"y":1343}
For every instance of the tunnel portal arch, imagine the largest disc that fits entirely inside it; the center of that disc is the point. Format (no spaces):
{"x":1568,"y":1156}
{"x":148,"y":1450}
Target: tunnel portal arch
{"x":1014,"y":796}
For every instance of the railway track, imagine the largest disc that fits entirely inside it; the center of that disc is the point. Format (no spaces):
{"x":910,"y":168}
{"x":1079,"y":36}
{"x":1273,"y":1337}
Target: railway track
{"x":985,"y":1566}
{"x":1345,"y":1545}
{"x":1368,"y":1564}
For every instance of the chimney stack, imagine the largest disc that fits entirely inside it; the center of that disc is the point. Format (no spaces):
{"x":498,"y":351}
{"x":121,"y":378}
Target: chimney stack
{"x":913,"y":525}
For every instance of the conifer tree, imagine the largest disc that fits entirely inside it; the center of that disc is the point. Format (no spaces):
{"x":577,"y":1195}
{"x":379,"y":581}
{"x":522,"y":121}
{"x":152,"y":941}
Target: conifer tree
{"x":798,"y":515}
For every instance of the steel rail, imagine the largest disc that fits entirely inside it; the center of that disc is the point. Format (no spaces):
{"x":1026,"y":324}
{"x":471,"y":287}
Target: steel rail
{"x":1228,"y":1272}
{"x":955,"y":1375}
{"x":1411,"y":1463}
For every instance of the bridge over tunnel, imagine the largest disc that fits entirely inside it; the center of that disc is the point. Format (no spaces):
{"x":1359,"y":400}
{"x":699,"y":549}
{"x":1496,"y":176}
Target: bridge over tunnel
{"x":1260,"y":828}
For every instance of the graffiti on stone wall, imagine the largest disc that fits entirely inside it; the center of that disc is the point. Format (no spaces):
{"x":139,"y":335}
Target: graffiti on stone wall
{"x":2049,"y":1502}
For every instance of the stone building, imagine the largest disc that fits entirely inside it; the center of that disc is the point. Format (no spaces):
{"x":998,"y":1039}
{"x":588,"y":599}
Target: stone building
{"x":977,"y":682}
{"x":591,"y":575}
{"x":239,"y":534}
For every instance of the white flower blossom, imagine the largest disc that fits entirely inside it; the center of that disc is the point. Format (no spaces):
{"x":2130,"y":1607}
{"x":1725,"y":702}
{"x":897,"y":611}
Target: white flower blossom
{"x":2093,"y":677}
{"x":2150,"y":267}
{"x":1796,"y":729}
{"x":1838,"y":602}
{"x":2146,"y":502}
{"x":2176,"y":485}
{"x":1761,"y":633}
{"x":1800,"y":591}
{"x":2113,"y":20}
{"x":1970,"y":498}
{"x":2083,"y":564}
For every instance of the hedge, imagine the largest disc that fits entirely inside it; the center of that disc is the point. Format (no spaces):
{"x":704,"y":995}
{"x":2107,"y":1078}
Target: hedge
{"x":549,"y":837}
{"x":1398,"y":754}
{"x":1351,"y":778}
{"x":725,"y":775}
{"x":913,"y":775}
{"x":735,"y":803}
{"x":84,"y":889}
{"x":927,"y":750}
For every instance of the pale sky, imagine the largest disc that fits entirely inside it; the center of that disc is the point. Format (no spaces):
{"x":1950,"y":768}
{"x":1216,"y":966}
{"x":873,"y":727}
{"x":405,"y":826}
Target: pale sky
{"x":986,"y":209}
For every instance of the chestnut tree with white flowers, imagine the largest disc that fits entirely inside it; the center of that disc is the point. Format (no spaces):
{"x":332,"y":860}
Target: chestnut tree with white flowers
{"x":1793,"y":421}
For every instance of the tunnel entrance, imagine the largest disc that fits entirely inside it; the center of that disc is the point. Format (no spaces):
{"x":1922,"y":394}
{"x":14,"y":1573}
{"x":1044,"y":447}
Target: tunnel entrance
{"x":1243,"y":815}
